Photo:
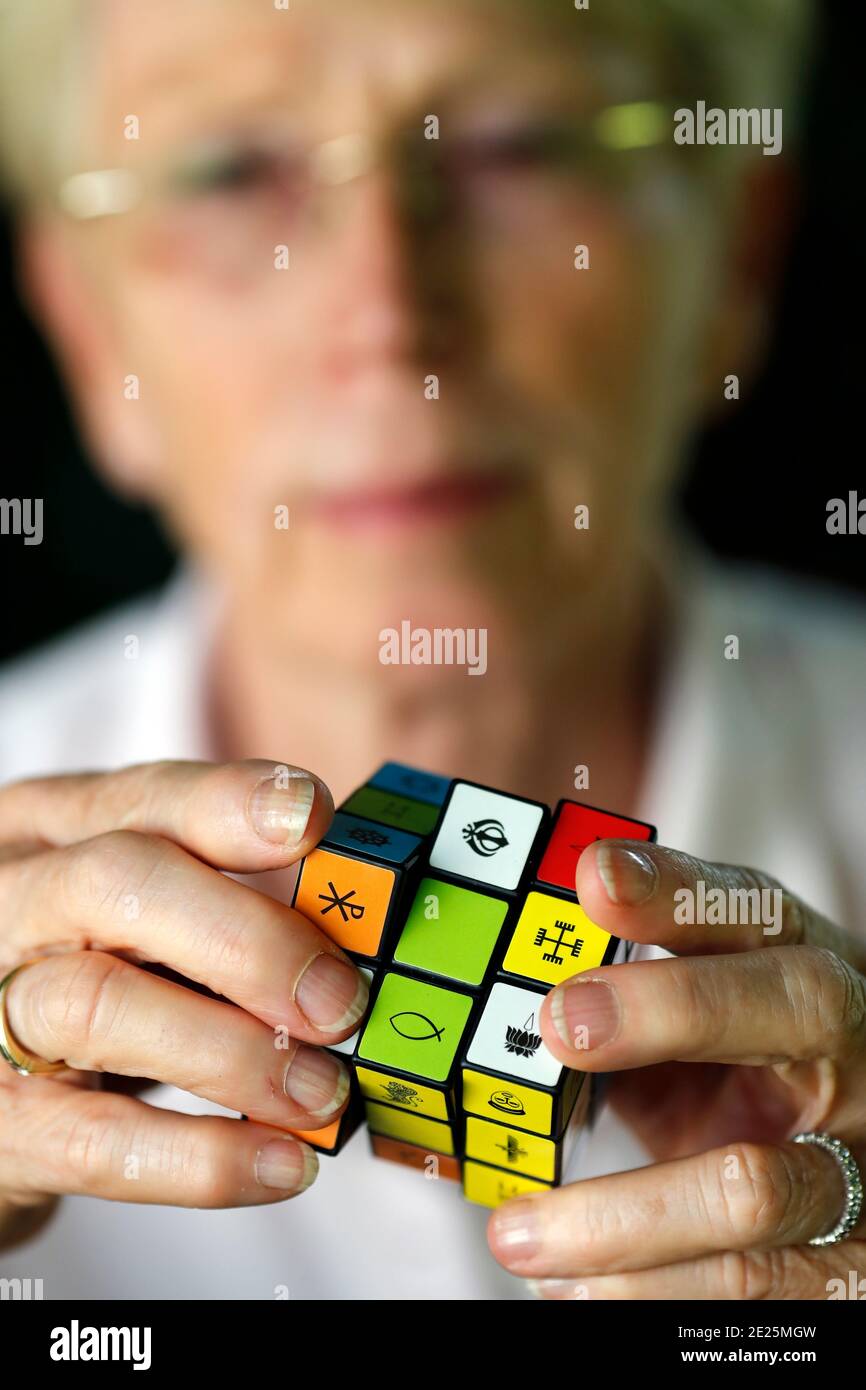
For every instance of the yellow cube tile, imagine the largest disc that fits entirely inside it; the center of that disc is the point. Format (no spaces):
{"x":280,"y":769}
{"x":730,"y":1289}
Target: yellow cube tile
{"x":490,"y":1187}
{"x":514,"y":1104}
{"x":417,"y":1099}
{"x":414,"y":1129}
{"x":553,"y":940}
{"x":518,"y":1152}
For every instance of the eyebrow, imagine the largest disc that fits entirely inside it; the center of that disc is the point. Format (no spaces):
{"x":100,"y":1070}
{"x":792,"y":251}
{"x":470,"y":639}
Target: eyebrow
{"x":185,"y":82}
{"x":191,"y":81}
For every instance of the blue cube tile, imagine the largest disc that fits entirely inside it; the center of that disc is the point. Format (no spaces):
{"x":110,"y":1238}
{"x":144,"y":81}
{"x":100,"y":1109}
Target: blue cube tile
{"x":410,"y":781}
{"x":368,"y":840}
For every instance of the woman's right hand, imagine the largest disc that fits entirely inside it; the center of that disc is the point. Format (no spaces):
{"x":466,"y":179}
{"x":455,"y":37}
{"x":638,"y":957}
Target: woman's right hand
{"x":102,"y":874}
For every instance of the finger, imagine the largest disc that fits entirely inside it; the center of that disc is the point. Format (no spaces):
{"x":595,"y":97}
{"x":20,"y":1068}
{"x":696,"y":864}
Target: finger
{"x":740,"y":1276}
{"x":100,"y":1014}
{"x":60,"y":1140}
{"x":145,"y":895}
{"x":244,"y":817}
{"x":795,"y":1004}
{"x":652,"y":894}
{"x":746,"y":1197}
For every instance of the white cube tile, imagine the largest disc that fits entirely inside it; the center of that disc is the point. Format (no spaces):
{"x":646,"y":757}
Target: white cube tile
{"x":486,"y":836}
{"x":494,"y":1046}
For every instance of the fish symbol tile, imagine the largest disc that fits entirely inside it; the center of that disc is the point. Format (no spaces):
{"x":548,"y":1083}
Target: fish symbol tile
{"x":414,"y":1031}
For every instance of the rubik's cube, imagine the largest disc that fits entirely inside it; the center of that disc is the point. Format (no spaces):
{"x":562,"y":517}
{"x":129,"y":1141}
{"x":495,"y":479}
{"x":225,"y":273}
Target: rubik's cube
{"x":459,"y":903}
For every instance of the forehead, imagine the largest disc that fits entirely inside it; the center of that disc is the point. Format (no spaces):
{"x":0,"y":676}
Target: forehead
{"x":181,"y":61}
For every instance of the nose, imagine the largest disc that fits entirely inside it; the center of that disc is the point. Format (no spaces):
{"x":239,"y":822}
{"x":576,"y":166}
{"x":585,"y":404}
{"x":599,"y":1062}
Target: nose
{"x":373,"y":306}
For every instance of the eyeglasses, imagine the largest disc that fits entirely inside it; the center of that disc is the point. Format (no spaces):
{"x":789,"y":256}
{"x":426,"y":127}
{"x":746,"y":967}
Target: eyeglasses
{"x":229,"y":202}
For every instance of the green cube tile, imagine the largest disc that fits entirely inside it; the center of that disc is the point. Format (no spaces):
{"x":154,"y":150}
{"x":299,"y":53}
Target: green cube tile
{"x":415,"y":1027}
{"x":450,"y":931}
{"x":400,"y":812}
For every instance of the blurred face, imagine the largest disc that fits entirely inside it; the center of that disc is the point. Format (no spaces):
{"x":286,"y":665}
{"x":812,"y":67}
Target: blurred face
{"x":379,"y":338}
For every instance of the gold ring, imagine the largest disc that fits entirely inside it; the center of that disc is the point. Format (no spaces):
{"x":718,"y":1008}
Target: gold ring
{"x":20,"y":1060}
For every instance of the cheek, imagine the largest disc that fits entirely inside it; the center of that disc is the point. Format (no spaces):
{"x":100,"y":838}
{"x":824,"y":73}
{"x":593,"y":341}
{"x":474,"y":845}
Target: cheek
{"x":601,"y":352}
{"x":574,"y":332}
{"x":217,"y":392}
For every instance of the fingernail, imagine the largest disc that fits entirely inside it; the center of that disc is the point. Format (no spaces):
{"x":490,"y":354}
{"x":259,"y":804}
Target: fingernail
{"x":516,"y":1231}
{"x":586,"y":1013}
{"x":558,"y":1289}
{"x":291,"y":1167}
{"x":316,"y":1082}
{"x":332,"y":994}
{"x":629,"y":876}
{"x":280,"y":809}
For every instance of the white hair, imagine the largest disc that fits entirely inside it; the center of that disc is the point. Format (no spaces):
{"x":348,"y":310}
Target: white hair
{"x":42,"y":52}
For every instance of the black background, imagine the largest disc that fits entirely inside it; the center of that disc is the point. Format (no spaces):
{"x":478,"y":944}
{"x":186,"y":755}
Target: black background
{"x":757,"y":488}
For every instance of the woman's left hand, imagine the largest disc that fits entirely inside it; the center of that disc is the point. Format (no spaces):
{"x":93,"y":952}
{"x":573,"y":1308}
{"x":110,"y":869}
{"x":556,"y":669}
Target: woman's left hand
{"x":746,"y":1037}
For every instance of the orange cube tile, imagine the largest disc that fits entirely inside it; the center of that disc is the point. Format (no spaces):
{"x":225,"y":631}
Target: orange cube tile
{"x":348,"y":898}
{"x":323,"y":1138}
{"x":414,"y":1156}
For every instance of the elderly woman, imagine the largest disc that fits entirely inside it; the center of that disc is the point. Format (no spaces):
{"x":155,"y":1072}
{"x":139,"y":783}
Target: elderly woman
{"x":406,"y":312}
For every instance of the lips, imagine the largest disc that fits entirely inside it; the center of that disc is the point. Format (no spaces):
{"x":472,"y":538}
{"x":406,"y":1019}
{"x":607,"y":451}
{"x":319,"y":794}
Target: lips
{"x":432,"y":501}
